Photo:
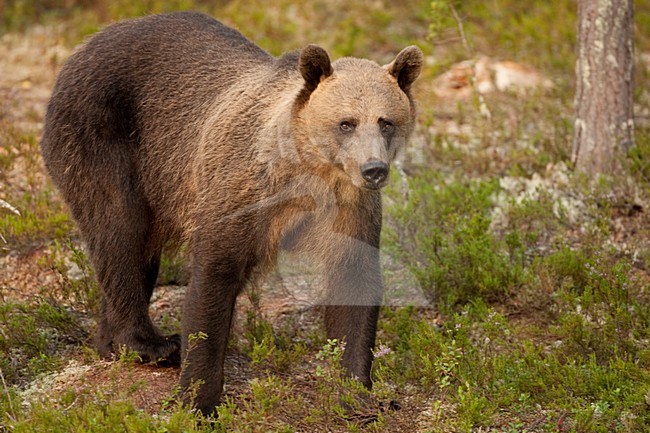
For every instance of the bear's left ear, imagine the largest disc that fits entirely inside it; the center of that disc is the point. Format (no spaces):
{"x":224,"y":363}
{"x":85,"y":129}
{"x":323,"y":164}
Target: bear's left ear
{"x":406,"y":67}
{"x":315,"y":66}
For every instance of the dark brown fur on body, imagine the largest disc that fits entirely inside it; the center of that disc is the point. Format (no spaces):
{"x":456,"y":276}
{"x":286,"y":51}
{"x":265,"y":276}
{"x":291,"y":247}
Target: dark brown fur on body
{"x":177,"y":128}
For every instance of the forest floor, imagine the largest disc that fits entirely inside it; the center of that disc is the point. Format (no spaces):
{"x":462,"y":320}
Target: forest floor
{"x":519,"y":293}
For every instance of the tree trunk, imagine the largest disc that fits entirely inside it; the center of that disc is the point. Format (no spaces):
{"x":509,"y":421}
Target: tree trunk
{"x":604,"y":122}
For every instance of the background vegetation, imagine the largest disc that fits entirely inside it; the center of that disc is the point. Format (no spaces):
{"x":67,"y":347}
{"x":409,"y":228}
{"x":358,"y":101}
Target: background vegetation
{"x":538,"y":283}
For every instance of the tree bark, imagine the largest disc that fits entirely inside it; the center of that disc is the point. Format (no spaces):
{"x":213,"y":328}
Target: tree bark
{"x":604,"y":120}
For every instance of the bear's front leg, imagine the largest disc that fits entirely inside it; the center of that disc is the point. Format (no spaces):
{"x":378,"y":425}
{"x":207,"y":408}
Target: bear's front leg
{"x":356,"y":325}
{"x":207,"y":317}
{"x":354,"y":293}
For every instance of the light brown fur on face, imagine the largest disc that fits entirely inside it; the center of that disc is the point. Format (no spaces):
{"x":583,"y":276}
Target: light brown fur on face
{"x":362,"y":92}
{"x":153,"y":138}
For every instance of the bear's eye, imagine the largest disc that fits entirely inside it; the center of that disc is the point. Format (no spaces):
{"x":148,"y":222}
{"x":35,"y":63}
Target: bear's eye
{"x":387,"y":127}
{"x":346,"y":126}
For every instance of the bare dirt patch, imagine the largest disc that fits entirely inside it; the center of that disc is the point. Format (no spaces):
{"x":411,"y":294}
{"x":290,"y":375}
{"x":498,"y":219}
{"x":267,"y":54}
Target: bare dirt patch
{"x":24,"y":277}
{"x":28,"y":67}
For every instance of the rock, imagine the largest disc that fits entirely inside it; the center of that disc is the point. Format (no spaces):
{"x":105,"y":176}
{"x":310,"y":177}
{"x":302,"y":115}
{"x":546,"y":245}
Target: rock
{"x":517,"y":77}
{"x":555,"y":186}
{"x":73,"y":272}
{"x":456,"y":83}
{"x":488,"y":75}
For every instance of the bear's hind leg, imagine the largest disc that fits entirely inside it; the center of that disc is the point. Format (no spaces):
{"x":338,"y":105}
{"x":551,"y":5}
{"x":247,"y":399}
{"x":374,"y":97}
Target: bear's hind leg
{"x":124,"y":318}
{"x":126,"y":256}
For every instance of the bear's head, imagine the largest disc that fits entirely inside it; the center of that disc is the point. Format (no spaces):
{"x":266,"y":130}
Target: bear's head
{"x":354,"y":114}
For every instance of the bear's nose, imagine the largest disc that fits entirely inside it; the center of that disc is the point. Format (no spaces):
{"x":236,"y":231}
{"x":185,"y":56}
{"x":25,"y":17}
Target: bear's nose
{"x":374,"y":172}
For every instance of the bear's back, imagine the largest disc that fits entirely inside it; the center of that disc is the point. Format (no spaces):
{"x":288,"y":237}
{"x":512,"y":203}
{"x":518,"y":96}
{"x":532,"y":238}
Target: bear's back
{"x":131,"y":102}
{"x":158,"y":68}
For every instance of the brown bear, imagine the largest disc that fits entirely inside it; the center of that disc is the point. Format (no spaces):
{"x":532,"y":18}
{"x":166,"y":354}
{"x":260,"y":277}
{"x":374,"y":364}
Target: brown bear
{"x":176,"y":128}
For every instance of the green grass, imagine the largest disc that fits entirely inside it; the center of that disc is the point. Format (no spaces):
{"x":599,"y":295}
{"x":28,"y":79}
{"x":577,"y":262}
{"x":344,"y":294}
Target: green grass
{"x":542,"y":310}
{"x":41,"y":217}
{"x":33,"y":335}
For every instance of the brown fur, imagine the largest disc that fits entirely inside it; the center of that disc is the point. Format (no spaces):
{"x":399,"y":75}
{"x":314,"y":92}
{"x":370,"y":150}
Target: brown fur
{"x":177,"y":128}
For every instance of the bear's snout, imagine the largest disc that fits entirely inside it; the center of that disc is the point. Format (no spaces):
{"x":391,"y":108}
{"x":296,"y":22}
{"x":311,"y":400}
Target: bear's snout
{"x":375,"y":173}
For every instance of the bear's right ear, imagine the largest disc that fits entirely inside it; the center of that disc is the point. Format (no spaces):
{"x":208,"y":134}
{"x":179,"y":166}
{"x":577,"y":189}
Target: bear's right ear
{"x":315,"y":66}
